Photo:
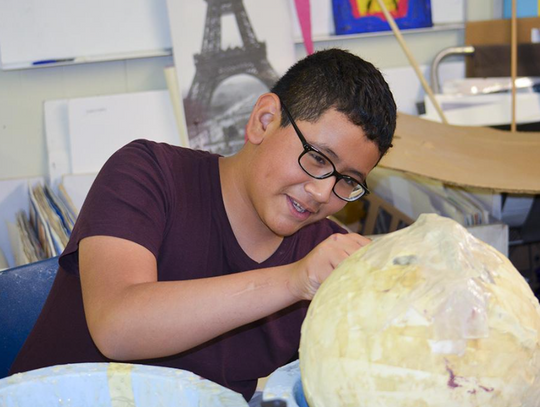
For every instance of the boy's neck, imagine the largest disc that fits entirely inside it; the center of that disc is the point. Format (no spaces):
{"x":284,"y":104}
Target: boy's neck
{"x":253,"y":236}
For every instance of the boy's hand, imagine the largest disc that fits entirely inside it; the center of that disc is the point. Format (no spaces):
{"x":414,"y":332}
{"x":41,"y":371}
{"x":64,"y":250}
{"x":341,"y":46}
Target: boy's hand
{"x":312,"y":270}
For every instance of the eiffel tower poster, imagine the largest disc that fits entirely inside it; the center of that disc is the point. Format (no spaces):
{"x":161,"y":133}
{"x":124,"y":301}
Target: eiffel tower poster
{"x":227,"y":53}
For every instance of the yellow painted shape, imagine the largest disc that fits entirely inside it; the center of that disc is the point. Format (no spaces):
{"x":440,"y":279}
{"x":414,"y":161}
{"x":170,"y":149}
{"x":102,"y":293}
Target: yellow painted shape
{"x":371,"y":6}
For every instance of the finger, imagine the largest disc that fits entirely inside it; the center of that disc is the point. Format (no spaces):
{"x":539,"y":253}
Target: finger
{"x":354,"y":243}
{"x":361,"y":240}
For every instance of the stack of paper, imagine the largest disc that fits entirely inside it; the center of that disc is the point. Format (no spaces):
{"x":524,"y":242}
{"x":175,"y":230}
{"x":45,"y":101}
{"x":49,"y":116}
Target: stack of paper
{"x":24,"y":242}
{"x":414,"y":195}
{"x":45,"y":233}
{"x":66,"y":216}
{"x":52,"y":229}
{"x":73,"y":190}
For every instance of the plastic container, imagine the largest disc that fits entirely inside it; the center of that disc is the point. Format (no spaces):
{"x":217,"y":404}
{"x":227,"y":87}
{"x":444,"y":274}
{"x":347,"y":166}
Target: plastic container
{"x":114,"y":385}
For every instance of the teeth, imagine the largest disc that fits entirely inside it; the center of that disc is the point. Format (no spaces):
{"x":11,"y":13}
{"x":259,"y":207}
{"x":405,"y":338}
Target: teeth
{"x":297,"y":206}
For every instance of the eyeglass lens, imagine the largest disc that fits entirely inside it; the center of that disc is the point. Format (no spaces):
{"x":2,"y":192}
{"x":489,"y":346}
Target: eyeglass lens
{"x":318,"y":166}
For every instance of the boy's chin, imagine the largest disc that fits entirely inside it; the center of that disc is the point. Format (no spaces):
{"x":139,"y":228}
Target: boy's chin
{"x":285,"y":230}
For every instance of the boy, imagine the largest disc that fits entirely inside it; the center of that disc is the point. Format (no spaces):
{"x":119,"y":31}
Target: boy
{"x":184,"y":259}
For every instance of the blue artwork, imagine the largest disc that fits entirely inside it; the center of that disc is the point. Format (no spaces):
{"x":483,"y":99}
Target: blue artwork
{"x":359,"y":16}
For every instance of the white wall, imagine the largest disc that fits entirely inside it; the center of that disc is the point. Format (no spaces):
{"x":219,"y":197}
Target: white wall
{"x":22,"y":93}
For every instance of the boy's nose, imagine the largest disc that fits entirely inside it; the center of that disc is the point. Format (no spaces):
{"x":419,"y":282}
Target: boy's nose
{"x":320,"y":189}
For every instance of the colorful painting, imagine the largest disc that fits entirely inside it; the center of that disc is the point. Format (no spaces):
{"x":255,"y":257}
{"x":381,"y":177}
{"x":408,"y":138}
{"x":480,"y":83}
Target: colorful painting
{"x":358,"y":16}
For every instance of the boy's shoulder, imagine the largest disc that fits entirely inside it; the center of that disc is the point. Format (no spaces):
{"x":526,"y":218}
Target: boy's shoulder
{"x":162,"y":154}
{"x":164,"y":148}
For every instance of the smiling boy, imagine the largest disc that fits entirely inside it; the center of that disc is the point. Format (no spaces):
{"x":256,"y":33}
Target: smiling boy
{"x":185,"y":259}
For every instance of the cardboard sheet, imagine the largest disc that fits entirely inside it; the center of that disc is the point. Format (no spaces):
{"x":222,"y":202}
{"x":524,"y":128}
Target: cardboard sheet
{"x":496,"y":32}
{"x":467,"y":156}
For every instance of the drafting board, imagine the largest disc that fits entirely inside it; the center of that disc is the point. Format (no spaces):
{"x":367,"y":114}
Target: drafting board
{"x":83,"y":133}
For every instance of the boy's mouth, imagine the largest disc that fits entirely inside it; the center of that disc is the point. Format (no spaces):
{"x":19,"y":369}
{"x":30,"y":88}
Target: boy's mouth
{"x":298,"y":207}
{"x":300,"y":211}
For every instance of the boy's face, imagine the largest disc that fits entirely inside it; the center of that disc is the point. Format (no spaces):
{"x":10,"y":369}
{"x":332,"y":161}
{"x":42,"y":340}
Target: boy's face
{"x":285,"y":196}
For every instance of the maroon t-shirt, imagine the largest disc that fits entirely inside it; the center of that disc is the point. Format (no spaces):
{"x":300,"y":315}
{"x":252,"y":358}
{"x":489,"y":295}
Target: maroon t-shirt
{"x":169,"y":200}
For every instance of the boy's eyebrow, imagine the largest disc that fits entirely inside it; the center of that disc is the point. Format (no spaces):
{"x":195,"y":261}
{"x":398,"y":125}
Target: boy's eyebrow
{"x":328,"y":151}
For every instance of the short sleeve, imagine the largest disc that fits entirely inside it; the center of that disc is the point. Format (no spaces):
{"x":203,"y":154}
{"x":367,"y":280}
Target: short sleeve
{"x":129,"y":199}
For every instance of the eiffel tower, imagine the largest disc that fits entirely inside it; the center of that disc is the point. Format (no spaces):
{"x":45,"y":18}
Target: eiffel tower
{"x":214,"y":65}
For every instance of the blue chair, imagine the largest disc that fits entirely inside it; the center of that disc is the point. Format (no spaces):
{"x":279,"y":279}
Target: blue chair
{"x":23,"y":291}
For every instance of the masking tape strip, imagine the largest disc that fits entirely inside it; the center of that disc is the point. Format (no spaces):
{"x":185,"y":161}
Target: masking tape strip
{"x":120,"y":387}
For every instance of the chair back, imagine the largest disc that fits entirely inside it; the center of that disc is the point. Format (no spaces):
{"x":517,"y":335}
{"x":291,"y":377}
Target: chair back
{"x":23,"y":291}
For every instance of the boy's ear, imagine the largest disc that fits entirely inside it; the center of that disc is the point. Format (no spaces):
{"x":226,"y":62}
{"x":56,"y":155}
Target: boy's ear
{"x":264,"y":113}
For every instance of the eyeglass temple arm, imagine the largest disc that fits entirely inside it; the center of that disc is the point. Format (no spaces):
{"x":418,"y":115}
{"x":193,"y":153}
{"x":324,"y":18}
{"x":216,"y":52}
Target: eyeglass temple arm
{"x":289,"y":116}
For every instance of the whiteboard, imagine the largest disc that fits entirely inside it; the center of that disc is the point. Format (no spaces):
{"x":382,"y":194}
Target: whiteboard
{"x":35,"y":32}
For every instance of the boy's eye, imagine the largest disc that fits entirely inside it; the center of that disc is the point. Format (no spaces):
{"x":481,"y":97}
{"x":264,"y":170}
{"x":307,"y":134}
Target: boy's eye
{"x":318,"y":159}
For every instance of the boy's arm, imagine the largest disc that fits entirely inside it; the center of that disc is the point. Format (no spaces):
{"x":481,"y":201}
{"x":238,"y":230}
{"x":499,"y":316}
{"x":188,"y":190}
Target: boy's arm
{"x":132,"y":316}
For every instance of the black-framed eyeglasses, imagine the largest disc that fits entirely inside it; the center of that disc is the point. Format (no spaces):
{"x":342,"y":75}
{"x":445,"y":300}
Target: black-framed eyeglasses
{"x":318,"y":166}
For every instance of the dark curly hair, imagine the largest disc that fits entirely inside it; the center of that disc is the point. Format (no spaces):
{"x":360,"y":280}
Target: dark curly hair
{"x":338,"y":79}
